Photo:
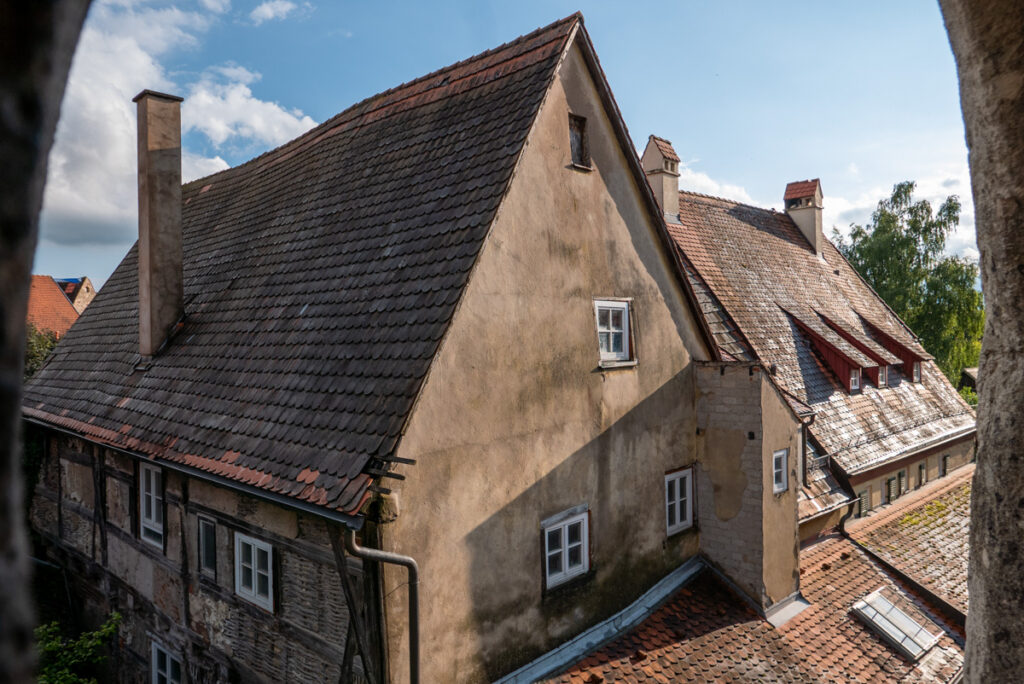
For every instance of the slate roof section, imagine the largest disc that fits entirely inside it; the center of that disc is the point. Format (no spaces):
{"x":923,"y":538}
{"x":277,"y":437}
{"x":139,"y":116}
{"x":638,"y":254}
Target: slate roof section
{"x":799,"y":189}
{"x":48,"y":307}
{"x":320,"y":278}
{"x":756,"y":261}
{"x":705,"y":632}
{"x":924,"y":534}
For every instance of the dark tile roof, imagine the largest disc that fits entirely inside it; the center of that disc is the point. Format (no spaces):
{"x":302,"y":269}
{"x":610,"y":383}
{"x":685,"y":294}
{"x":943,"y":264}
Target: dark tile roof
{"x":924,"y":534}
{"x":320,"y":278}
{"x":48,"y":307}
{"x":705,"y":632}
{"x":799,"y":189}
{"x":749,"y":266}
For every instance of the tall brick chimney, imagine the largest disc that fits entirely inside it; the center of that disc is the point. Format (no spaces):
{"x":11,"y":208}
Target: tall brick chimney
{"x":661,"y":164}
{"x":803,"y":204}
{"x":161,"y":289}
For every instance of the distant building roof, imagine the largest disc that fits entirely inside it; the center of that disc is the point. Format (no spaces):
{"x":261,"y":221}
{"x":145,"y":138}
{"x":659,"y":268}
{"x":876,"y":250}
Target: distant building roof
{"x":705,"y":632}
{"x":767,"y":296}
{"x":924,"y":534}
{"x":48,"y":307}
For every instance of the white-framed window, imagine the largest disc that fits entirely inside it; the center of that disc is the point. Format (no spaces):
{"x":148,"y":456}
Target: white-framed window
{"x":780,"y":466}
{"x":164,"y":667}
{"x":612,"y":329}
{"x":207,"y":547}
{"x":883,"y":376}
{"x":855,"y":379}
{"x":917,"y":371}
{"x":151,"y":504}
{"x":254,"y":571}
{"x":679,"y":500}
{"x":566,"y":546}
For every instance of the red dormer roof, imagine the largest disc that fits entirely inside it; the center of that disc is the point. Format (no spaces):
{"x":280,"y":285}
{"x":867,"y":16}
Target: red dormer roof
{"x":665,"y":147}
{"x":799,"y":189}
{"x":48,"y":307}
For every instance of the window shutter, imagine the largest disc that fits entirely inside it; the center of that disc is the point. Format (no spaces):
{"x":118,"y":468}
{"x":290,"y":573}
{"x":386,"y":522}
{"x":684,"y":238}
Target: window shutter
{"x":902,"y":483}
{"x":864,"y":504}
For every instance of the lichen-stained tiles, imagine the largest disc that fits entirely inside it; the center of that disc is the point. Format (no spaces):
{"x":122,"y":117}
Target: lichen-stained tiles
{"x":924,"y":534}
{"x":319,"y":280}
{"x":754,"y":265}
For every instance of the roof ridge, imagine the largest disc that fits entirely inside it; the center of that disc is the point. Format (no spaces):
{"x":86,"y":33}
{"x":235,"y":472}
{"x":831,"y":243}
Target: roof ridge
{"x":702,"y":195}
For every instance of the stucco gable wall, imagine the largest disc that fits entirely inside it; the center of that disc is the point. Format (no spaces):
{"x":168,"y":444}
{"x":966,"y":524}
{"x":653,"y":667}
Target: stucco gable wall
{"x":516,"y":421}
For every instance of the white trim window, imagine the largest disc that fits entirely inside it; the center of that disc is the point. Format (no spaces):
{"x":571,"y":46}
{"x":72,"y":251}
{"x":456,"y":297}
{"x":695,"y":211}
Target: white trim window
{"x":854,"y":379}
{"x":917,"y":371}
{"x":678,"y":501}
{"x":883,"y":376}
{"x":780,"y":474}
{"x":254,"y":571}
{"x":151,"y":504}
{"x":164,"y":667}
{"x":612,"y":329}
{"x":566,"y":547}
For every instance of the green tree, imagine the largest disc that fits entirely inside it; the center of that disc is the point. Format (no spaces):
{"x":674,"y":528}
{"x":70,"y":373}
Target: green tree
{"x":38,"y":345}
{"x":900,"y":254}
{"x":62,"y":661}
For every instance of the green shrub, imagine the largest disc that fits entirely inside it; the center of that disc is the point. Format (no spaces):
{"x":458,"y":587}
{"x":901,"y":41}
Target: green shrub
{"x":61,"y":660}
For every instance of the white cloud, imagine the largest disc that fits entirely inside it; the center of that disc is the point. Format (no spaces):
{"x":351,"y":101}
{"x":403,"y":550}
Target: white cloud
{"x":218,"y":6}
{"x":195,"y":166}
{"x":272,"y":9}
{"x":698,"y":181}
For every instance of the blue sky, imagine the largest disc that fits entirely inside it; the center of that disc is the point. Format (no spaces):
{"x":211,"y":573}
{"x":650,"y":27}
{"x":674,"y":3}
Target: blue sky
{"x":752,"y":94}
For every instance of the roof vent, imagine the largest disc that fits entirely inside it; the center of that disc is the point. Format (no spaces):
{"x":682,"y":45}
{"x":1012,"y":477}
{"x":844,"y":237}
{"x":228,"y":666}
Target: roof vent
{"x":661,"y":164}
{"x":803,"y":204}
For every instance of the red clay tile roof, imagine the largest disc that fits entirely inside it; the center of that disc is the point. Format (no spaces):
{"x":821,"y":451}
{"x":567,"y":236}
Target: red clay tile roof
{"x":48,"y":306}
{"x":320,"y":278}
{"x":754,"y":265}
{"x":665,"y":147}
{"x":924,"y":534}
{"x":799,"y":189}
{"x":704,"y":633}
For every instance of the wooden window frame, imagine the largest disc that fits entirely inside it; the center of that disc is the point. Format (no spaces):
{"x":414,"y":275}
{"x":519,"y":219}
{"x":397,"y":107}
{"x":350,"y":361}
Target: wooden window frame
{"x":251,"y":594}
{"x":151,"y":530}
{"x":780,"y":485}
{"x":579,"y":123}
{"x":201,"y":547}
{"x":916,"y":371}
{"x":681,"y":482}
{"x":165,"y":677}
{"x":612,"y":358}
{"x":560,"y":524}
{"x":854,"y":380}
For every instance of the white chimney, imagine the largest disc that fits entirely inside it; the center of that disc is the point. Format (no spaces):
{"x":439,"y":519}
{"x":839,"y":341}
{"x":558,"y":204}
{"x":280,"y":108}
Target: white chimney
{"x":661,"y":164}
{"x":803,"y":204}
{"x":161,"y":288}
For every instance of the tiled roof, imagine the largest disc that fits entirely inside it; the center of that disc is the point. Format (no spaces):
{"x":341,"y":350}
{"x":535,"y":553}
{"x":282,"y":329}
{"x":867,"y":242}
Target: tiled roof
{"x":924,"y":535}
{"x":48,"y":306}
{"x":821,"y":492}
{"x":705,"y":632}
{"x":666,"y":149}
{"x":799,"y":189}
{"x":753,"y":265}
{"x":320,"y":278}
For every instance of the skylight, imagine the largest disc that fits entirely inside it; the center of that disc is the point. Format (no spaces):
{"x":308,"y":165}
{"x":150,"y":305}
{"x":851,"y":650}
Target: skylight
{"x":905,"y":633}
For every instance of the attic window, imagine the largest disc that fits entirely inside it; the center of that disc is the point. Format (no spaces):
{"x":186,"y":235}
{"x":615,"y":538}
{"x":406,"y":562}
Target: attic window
{"x":779,"y":468}
{"x":613,"y":330}
{"x":854,"y":379}
{"x":917,"y":371}
{"x":903,"y":632}
{"x":578,"y":143}
{"x":883,"y":375}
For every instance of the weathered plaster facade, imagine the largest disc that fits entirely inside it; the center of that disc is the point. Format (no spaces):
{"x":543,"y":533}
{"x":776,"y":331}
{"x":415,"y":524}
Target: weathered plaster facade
{"x":517,"y":422}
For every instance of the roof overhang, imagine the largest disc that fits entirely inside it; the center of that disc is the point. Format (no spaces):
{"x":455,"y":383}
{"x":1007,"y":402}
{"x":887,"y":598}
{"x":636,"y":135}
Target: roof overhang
{"x":899,"y":459}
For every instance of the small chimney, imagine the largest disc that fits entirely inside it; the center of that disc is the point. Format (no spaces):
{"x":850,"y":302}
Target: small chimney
{"x":803,"y":204}
{"x":661,"y":164}
{"x":161,"y":290}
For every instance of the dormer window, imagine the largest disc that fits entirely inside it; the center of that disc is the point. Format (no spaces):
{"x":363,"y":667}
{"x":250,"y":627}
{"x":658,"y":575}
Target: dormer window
{"x":883,"y":376}
{"x":917,"y":371}
{"x":613,"y":330}
{"x":854,"y":379}
{"x":578,"y":143}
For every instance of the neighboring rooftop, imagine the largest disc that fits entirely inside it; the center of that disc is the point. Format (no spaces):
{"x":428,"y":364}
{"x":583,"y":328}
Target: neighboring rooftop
{"x":48,"y":307}
{"x":706,"y":632}
{"x":764,"y":291}
{"x":924,"y":535}
{"x":319,"y":280}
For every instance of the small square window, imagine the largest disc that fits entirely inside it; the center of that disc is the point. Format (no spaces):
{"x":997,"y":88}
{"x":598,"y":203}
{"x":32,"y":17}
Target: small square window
{"x":613,"y":329}
{"x":678,"y":501}
{"x":254,"y":572}
{"x":917,"y":371}
{"x":578,"y":142}
{"x":207,"y":547}
{"x":855,"y":379}
{"x":151,"y":505}
{"x":164,"y":667}
{"x":566,"y":548}
{"x":780,"y":477}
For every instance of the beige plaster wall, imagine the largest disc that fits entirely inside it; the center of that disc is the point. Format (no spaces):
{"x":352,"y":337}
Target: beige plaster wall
{"x":516,"y":422}
{"x":780,"y":430}
{"x":959,"y":455}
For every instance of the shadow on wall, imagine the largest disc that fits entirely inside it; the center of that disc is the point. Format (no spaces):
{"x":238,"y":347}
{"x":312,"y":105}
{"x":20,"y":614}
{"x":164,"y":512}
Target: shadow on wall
{"x":619,"y":475}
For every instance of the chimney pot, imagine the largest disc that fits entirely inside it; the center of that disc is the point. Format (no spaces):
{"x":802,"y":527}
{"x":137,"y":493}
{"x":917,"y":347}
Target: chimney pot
{"x":161,"y":286}
{"x":661,"y":164}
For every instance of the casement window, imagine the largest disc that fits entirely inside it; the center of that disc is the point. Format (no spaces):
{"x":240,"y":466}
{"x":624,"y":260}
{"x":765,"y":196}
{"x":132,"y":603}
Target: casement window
{"x":894,"y":625}
{"x":164,"y":667}
{"x":943,"y":465}
{"x":578,"y":143}
{"x":566,"y":546}
{"x":612,"y":329}
{"x":780,"y":477}
{"x":883,"y":376}
{"x":901,"y":483}
{"x":254,"y":571}
{"x":207,"y":547}
{"x":855,"y":379}
{"x":863,"y":502}
{"x":151,"y":504}
{"x":922,"y":474}
{"x":679,"y":501}
{"x":917,"y":371}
